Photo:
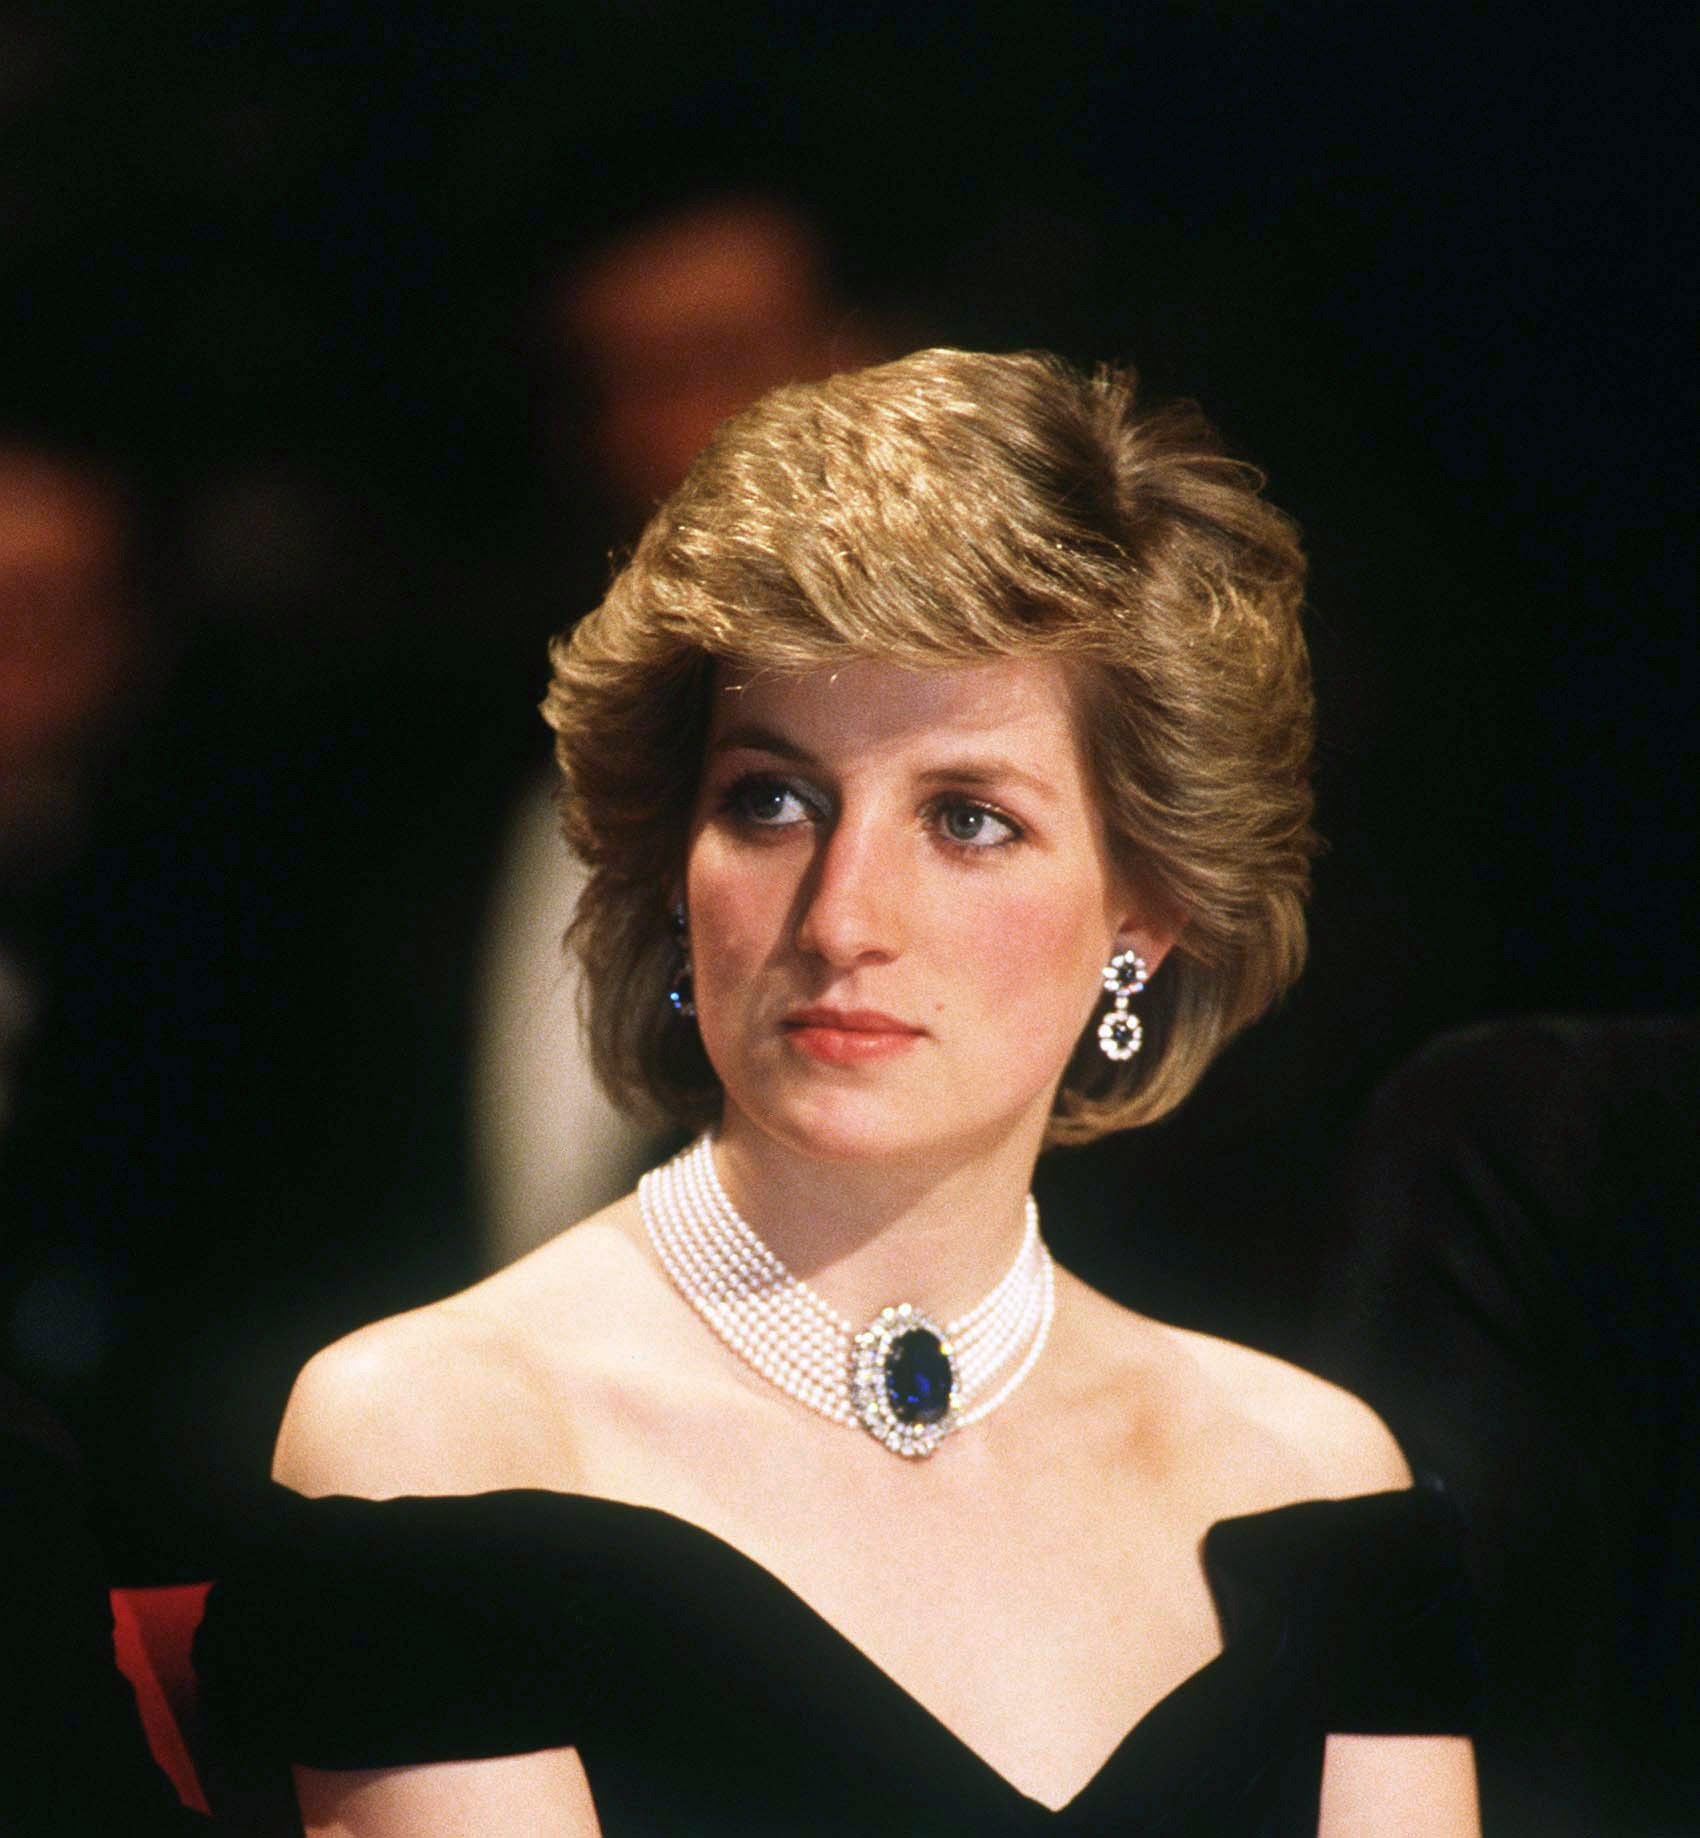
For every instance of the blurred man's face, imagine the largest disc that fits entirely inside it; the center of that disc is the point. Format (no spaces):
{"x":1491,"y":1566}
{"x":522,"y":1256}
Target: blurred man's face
{"x":684,"y":324}
{"x":65,"y":623}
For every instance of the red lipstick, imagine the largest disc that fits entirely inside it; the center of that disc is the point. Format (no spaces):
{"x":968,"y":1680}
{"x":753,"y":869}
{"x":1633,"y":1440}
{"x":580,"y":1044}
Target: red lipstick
{"x":848,"y":1036}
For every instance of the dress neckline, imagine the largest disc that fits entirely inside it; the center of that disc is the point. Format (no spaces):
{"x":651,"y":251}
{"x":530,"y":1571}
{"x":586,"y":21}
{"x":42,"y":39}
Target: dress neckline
{"x":1251,"y":1633}
{"x":827,"y":1633}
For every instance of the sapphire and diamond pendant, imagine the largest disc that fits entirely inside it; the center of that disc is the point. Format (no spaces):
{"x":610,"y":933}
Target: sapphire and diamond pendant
{"x":903,"y":1381}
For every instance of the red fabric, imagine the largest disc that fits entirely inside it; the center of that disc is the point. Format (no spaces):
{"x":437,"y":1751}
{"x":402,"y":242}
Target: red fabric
{"x":153,"y":1632}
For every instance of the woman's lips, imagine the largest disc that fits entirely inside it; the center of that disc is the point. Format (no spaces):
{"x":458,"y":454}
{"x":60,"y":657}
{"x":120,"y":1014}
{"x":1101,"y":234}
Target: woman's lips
{"x":848,"y":1037}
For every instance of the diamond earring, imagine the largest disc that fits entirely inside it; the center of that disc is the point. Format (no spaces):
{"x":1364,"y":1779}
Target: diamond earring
{"x":680,"y":991}
{"x":1120,"y":1034}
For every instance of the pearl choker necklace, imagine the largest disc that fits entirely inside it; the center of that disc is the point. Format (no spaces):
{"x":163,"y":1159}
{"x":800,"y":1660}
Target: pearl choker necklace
{"x":902,"y":1378}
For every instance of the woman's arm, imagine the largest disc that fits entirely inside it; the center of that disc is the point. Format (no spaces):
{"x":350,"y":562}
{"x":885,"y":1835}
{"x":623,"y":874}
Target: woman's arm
{"x":1377,"y":1786}
{"x":520,"y":1796}
{"x":424,"y":1404}
{"x":1399,"y":1787}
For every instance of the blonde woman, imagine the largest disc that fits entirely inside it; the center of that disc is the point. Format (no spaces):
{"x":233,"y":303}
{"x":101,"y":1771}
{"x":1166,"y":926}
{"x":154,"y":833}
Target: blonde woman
{"x":940,"y":762}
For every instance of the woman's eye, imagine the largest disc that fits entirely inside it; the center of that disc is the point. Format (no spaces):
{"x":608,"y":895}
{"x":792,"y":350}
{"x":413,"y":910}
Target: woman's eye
{"x":973,"y":826}
{"x":768,"y":802}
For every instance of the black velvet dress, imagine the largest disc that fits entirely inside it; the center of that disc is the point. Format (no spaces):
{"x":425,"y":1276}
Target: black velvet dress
{"x":705,"y":1697}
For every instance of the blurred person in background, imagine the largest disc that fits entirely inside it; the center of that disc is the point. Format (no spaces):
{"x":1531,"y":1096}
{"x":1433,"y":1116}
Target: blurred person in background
{"x":72,"y":661}
{"x":675,"y":323}
{"x":70,"y":655}
{"x":653,"y":338}
{"x":1518,"y":1292}
{"x":197,"y":1164}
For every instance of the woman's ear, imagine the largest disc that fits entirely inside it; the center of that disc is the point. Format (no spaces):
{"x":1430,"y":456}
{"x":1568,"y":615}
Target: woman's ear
{"x":1143,"y":929}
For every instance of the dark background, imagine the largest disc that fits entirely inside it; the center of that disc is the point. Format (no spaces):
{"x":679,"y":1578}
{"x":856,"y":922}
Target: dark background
{"x":1432,"y":267}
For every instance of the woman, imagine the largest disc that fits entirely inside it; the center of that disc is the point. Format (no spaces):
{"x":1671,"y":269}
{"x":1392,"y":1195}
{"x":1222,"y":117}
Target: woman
{"x":943,"y":708}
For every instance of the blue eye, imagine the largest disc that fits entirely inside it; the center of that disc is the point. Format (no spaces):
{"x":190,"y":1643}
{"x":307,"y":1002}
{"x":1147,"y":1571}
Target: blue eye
{"x":973,"y":826}
{"x":770,"y":803}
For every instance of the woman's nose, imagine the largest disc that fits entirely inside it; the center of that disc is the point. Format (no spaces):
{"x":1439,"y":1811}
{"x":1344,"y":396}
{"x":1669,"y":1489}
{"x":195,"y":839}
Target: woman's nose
{"x":853,"y":898}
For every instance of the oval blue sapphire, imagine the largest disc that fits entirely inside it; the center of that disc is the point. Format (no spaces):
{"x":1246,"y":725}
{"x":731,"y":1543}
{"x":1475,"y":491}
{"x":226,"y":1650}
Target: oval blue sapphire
{"x":917,"y":1377}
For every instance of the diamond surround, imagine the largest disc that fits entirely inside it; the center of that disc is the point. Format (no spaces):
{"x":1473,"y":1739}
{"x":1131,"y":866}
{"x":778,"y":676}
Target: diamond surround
{"x":870,"y":1382}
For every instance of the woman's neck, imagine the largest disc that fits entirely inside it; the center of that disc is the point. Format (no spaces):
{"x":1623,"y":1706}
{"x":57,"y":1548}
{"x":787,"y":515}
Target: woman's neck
{"x":865,"y":1234}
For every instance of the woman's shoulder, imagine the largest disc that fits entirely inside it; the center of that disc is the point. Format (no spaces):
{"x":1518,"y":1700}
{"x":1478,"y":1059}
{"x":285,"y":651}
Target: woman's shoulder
{"x":1248,"y":1430}
{"x":462,"y":1395}
{"x":1323,"y":1441}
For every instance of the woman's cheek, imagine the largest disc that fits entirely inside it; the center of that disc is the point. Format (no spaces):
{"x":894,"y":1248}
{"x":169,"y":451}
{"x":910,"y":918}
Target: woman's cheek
{"x":731,"y":935}
{"x":1049,"y":966}
{"x":1034,"y":934}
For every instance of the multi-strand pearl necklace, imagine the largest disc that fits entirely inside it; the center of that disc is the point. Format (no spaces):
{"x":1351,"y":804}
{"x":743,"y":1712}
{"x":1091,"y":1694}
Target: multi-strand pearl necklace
{"x":902,"y":1378}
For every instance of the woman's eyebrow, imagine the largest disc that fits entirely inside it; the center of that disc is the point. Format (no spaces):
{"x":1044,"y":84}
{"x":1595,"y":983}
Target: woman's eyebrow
{"x":972,"y":770}
{"x":760,"y":740}
{"x":988,"y":772}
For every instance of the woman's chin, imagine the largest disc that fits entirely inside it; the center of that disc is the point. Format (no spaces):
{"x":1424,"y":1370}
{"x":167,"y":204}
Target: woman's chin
{"x":835,"y":1126}
{"x":839,"y":1138}
{"x":865,"y":1126}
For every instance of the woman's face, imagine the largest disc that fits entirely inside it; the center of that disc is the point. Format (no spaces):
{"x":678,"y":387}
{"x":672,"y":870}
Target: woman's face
{"x":900,"y":902}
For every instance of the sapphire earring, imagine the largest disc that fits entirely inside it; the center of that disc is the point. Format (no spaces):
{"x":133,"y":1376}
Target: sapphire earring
{"x":680,"y":994}
{"x":1120,"y":1034}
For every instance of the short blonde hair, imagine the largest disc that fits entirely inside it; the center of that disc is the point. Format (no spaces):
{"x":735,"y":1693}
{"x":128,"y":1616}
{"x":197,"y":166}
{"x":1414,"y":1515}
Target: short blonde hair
{"x":953,"y":508}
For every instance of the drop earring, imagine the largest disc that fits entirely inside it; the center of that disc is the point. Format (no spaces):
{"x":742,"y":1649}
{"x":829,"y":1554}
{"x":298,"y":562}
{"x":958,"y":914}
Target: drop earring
{"x":1120,"y":1034}
{"x":681,"y":995}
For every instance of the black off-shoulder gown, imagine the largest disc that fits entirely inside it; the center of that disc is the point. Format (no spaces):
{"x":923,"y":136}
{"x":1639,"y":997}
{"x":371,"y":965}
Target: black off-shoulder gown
{"x":705,"y":1697}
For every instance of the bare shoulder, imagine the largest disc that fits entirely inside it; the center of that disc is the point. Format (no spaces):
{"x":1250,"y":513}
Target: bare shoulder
{"x":458,"y":1397}
{"x":1331,"y":1442}
{"x":1232,"y":1430}
{"x":395,"y":1407}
